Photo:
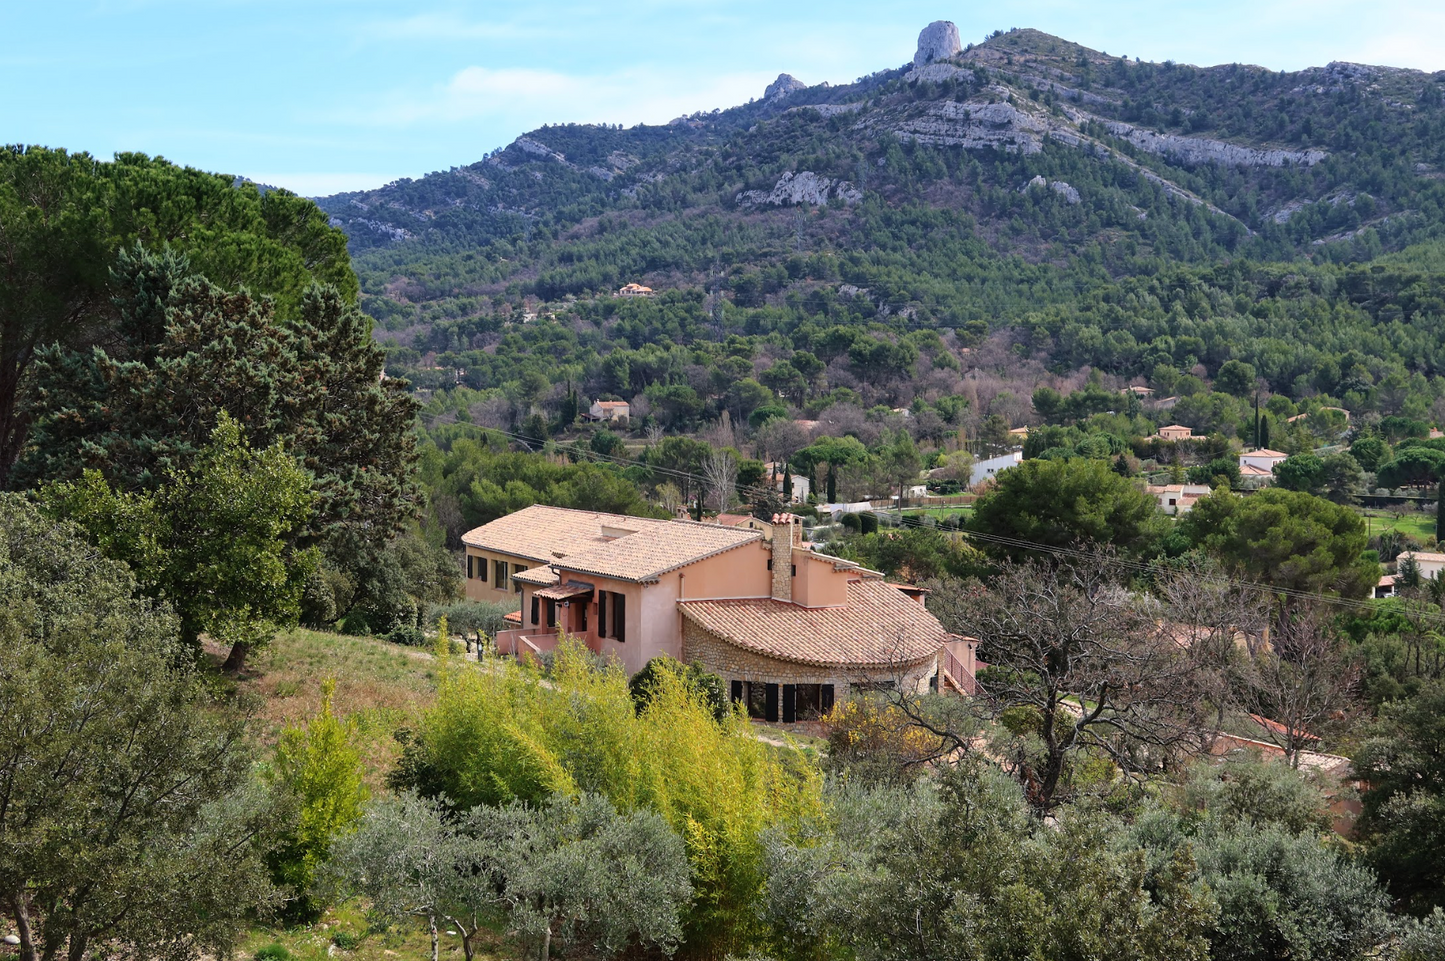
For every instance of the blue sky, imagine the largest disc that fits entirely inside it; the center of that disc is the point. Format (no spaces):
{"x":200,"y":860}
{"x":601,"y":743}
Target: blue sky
{"x":327,"y":95}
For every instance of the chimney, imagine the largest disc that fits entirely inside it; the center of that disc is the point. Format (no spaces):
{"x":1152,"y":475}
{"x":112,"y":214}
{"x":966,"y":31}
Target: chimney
{"x":787,"y":534}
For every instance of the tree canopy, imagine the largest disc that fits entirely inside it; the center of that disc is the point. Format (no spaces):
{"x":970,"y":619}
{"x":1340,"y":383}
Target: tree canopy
{"x":65,"y":217}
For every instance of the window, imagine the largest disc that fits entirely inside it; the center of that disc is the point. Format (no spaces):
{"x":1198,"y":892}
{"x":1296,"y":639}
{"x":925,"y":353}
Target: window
{"x":757,"y":694}
{"x":481,"y":566}
{"x":499,"y":571}
{"x":536,"y":609}
{"x":551,"y":613}
{"x":516,"y":586}
{"x":601,"y":613}
{"x":619,"y":617}
{"x":810,"y":701}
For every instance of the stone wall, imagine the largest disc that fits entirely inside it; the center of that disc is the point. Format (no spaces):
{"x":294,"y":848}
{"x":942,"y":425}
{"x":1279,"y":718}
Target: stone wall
{"x":733,"y":663}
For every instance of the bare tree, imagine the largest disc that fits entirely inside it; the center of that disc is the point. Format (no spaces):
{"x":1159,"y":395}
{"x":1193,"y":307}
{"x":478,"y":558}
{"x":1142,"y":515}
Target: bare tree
{"x":1303,"y":681}
{"x":720,"y":469}
{"x":654,"y":434}
{"x":1077,"y":666}
{"x":1217,"y":622}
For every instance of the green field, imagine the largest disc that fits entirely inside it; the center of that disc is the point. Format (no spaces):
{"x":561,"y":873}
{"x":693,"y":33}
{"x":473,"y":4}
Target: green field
{"x":1417,"y":525}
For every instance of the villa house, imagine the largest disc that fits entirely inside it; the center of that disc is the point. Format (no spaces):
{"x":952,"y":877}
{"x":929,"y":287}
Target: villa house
{"x":634,"y":290}
{"x":610,"y":411}
{"x":1174,"y":432}
{"x":1177,"y":499}
{"x":1262,"y":460}
{"x":788,"y":629}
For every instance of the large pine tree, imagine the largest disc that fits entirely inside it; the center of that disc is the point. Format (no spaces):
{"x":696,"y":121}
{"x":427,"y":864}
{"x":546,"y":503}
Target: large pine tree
{"x":185,"y":350}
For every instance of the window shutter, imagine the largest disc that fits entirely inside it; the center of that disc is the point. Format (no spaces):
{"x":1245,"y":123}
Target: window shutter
{"x":601,"y":613}
{"x":770,"y":702}
{"x":551,"y":613}
{"x":536,"y":605}
{"x":737,"y":691}
{"x":469,"y":567}
{"x":790,"y":703}
{"x":825,"y":699}
{"x":619,"y":606}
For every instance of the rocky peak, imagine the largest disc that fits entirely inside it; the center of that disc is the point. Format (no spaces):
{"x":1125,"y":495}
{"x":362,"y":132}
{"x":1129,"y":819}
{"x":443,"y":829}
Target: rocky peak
{"x":784,"y":85}
{"x":938,"y":41}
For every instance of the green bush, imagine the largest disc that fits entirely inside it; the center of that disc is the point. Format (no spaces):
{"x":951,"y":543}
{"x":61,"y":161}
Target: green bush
{"x":407,"y":635}
{"x":274,"y":952}
{"x":346,"y":941}
{"x":355,"y":624}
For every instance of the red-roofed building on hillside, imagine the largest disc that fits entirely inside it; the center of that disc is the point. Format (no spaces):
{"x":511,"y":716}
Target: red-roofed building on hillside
{"x":788,"y":629}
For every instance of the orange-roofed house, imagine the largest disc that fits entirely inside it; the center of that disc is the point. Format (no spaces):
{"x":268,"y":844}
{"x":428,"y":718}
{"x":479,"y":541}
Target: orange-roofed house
{"x":610,"y":411}
{"x":788,"y":629}
{"x":634,"y":290}
{"x":1175,"y":432}
{"x":1262,"y":459}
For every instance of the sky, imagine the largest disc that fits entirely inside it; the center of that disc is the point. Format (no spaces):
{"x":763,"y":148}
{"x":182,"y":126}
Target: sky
{"x":322,"y":96}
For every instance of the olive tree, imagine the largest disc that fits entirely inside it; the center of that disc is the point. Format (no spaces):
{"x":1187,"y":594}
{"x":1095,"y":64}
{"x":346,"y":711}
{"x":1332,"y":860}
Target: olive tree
{"x":129,"y":823}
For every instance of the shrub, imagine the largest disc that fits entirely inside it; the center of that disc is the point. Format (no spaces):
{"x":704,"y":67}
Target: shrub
{"x":407,"y":635}
{"x":274,"y":952}
{"x":346,"y":941}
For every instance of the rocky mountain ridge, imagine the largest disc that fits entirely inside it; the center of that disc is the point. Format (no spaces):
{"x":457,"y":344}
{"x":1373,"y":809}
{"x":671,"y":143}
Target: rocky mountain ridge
{"x":1137,"y":151}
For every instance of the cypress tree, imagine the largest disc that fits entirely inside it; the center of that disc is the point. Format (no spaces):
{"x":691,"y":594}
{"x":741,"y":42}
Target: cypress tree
{"x":1263,"y":432}
{"x":832,"y":484}
{"x":787,"y":484}
{"x":1440,"y":512}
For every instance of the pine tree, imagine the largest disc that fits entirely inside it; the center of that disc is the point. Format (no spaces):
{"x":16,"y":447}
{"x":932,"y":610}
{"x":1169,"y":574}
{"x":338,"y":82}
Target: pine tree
{"x":146,"y":403}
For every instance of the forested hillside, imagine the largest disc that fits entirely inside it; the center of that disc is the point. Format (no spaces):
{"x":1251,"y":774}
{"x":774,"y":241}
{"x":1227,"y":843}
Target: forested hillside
{"x":1044,"y":207}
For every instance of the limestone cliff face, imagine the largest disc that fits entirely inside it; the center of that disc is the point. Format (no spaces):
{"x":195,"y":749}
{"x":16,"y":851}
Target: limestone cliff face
{"x":1194,"y":150}
{"x":784,"y":85}
{"x":938,"y":72}
{"x":938,"y":41}
{"x":804,"y":187}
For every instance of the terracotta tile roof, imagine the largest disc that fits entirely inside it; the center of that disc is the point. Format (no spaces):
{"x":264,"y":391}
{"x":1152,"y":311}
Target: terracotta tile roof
{"x":565,"y":592}
{"x":647,"y":555}
{"x":1264,"y":452}
{"x":879,"y":627}
{"x":537,"y":576}
{"x":541,"y":533}
{"x":1249,"y":470}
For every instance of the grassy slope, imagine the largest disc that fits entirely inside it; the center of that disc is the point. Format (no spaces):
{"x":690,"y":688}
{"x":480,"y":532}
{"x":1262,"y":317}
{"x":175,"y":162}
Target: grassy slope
{"x":383,"y":687}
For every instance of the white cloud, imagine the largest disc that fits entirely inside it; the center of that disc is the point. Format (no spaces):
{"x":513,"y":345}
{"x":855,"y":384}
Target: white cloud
{"x":528,"y":97}
{"x":321,"y":184}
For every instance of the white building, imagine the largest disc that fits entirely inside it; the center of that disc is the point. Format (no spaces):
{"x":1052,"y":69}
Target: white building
{"x":1262,"y":459}
{"x":1178,"y":498}
{"x":984,"y":469}
{"x":1430,"y":565}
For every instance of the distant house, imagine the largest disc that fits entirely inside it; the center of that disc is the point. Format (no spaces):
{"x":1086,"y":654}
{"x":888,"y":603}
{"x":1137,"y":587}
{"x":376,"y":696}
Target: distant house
{"x":801,"y":486}
{"x":984,"y":469}
{"x":1143,"y":393}
{"x":610,"y":411}
{"x":1019,"y":433}
{"x":1177,"y":499}
{"x":1261,"y":459}
{"x":634,"y":290}
{"x":1386,"y":587}
{"x":1175,"y":432}
{"x":789,"y":630}
{"x":1428,"y":563}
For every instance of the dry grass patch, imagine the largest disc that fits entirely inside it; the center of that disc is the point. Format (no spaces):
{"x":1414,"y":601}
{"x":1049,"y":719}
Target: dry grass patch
{"x":382,"y":686}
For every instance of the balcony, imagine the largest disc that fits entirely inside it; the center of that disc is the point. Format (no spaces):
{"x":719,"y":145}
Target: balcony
{"x":529,"y":644}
